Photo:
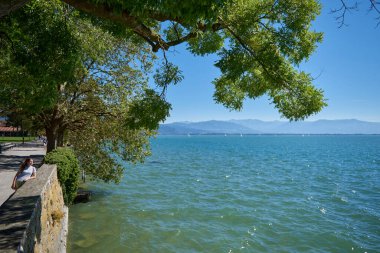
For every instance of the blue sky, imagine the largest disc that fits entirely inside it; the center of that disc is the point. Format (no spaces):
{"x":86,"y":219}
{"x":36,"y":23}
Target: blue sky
{"x":346,"y":66}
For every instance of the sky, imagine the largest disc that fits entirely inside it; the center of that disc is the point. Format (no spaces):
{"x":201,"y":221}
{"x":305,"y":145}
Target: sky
{"x":346,"y":66}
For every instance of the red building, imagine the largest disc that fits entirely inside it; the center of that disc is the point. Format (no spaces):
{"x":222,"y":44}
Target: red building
{"x":9,"y":130}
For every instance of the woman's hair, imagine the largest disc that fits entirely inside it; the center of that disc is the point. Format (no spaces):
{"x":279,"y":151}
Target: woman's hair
{"x":23,"y":165}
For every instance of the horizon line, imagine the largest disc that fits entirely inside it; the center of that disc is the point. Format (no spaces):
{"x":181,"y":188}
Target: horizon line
{"x":276,"y":120}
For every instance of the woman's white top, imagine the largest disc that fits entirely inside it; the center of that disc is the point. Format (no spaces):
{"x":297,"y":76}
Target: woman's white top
{"x":26,"y":174}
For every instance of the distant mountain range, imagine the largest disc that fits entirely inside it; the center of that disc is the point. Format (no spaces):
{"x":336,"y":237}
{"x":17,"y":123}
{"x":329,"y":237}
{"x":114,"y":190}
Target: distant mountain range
{"x":254,"y":126}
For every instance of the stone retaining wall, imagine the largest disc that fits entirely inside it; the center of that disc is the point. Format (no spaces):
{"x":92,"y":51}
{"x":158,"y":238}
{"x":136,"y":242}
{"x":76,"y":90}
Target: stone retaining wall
{"x":34,"y":218}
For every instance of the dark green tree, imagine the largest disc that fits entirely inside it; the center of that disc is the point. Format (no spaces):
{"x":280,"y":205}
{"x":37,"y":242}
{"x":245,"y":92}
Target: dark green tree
{"x":260,"y":43}
{"x":89,"y":68}
{"x":81,"y":84}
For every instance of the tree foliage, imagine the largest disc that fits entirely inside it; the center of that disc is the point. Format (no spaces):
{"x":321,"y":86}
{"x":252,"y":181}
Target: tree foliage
{"x":82,"y":84}
{"x":259,"y":44}
{"x":81,"y":70}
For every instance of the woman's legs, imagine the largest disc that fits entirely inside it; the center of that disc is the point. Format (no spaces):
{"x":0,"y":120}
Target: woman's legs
{"x":19,"y":184}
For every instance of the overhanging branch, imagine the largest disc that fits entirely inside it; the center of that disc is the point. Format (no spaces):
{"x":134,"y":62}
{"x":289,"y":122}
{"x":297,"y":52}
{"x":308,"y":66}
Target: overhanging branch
{"x":126,"y":18}
{"x":7,"y":6}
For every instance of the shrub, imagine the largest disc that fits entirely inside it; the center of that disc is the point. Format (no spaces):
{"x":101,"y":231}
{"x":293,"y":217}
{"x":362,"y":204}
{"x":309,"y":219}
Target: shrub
{"x":67,"y":170}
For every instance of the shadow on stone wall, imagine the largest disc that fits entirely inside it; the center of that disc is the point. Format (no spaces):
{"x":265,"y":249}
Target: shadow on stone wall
{"x":15,"y":215}
{"x":27,"y":223}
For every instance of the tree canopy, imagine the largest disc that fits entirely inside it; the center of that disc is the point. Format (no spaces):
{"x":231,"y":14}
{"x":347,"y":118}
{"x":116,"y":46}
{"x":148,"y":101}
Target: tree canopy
{"x":259,"y":43}
{"x":81,"y":84}
{"x":83,"y":75}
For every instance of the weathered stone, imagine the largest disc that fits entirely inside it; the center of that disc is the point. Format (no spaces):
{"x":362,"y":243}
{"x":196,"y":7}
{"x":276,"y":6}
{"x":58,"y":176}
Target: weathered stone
{"x":26,"y":223}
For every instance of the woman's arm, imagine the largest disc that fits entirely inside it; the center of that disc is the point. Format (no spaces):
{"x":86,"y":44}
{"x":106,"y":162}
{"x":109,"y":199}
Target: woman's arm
{"x":14,"y":186}
{"x":18,"y":173}
{"x":33,"y":174}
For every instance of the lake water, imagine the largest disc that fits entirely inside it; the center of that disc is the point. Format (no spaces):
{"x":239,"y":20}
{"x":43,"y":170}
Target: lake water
{"x":239,"y":194}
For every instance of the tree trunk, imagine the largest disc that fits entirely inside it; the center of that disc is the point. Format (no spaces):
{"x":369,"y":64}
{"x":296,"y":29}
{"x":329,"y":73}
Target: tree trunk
{"x":60,"y":134}
{"x":51,"y":135}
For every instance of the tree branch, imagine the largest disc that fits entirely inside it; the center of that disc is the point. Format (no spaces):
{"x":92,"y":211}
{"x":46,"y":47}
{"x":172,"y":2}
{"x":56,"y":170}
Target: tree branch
{"x":247,"y":48}
{"x":7,"y":38}
{"x":374,"y":5}
{"x":107,"y":12}
{"x":154,"y":39}
{"x":7,"y":6}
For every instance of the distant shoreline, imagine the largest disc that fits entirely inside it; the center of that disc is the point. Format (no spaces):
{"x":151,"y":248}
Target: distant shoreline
{"x":258,"y":127}
{"x":219,"y":134}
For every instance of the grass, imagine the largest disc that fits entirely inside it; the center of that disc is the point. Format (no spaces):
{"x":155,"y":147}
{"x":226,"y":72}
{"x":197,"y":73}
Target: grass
{"x":15,"y":139}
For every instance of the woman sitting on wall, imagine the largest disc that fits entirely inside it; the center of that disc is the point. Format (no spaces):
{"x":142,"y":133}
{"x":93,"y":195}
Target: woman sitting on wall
{"x":27,"y":171}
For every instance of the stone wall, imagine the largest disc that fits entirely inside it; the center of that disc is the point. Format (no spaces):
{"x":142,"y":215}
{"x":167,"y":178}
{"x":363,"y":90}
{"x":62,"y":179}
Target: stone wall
{"x":34,"y":219}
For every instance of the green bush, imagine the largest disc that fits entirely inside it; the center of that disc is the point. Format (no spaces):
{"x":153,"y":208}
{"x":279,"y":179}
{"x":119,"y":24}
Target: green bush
{"x":67,"y":170}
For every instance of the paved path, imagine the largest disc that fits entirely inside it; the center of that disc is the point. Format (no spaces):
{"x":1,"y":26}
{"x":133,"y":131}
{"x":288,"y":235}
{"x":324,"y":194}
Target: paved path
{"x":10,"y":161}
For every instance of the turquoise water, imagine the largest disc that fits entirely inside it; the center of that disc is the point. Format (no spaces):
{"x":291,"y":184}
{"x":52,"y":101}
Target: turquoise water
{"x":239,"y":194}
